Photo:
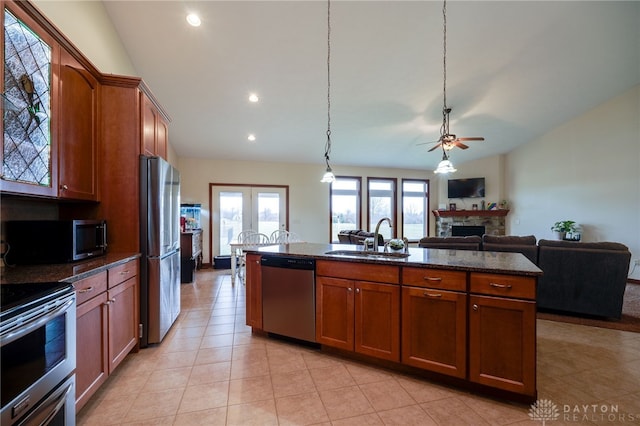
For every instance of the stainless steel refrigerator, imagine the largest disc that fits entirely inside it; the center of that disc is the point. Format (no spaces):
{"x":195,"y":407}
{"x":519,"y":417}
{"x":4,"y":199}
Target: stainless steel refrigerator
{"x":160,"y":247}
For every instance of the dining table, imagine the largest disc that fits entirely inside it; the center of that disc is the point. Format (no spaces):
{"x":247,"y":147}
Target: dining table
{"x":236,"y":250}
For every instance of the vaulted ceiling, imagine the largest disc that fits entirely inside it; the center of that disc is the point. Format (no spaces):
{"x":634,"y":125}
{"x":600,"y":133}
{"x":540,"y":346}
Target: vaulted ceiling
{"x":515,"y":70}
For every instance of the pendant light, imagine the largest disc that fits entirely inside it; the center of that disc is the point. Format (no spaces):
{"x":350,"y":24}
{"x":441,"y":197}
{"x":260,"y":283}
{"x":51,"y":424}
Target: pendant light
{"x":328,"y":177}
{"x":445,"y":166}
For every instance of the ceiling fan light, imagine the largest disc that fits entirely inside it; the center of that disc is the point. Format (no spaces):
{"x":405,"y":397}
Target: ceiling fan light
{"x":445,"y":166}
{"x":328,"y":177}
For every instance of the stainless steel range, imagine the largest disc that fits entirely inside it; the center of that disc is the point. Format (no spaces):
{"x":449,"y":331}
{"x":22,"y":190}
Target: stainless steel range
{"x":38,"y":354}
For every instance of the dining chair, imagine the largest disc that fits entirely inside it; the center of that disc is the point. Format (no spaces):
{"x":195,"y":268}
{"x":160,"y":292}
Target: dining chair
{"x":282,"y":236}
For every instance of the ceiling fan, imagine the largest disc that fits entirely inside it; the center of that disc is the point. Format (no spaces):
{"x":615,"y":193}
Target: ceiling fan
{"x":447,"y":140}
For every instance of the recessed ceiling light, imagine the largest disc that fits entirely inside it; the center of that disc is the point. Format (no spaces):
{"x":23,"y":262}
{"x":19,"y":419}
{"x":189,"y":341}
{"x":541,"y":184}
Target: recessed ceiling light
{"x":193,"y":20}
{"x":253,"y":98}
{"x":252,"y":137}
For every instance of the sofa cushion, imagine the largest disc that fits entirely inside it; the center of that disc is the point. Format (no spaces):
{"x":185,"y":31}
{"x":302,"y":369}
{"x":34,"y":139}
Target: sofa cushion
{"x":602,"y":245}
{"x":472,"y":242}
{"x":511,"y":243}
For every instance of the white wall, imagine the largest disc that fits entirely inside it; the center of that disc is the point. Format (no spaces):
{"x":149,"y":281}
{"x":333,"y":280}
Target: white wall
{"x":308,"y":197}
{"x":87,"y":25}
{"x":587,"y":170}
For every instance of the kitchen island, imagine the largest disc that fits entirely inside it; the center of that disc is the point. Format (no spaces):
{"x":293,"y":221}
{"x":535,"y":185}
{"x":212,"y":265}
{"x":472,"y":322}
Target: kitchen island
{"x":465,"y":317}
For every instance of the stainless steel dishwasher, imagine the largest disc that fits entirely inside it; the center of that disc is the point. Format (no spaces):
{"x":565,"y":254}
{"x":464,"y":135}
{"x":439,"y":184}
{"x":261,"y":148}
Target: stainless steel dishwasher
{"x":289,"y":296}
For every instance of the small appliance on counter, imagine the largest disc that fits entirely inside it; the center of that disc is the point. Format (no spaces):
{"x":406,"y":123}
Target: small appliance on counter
{"x":54,"y":241}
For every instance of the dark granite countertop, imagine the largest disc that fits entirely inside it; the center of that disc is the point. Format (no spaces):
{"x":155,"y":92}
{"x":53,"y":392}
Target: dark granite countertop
{"x":463,"y":260}
{"x":68,"y":272}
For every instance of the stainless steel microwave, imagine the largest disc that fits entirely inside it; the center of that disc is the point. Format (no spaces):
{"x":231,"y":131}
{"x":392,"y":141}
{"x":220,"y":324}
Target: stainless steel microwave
{"x":54,"y":241}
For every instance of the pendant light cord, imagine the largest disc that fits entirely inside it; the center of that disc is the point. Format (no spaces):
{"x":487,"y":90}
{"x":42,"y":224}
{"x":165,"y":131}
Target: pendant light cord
{"x":327,"y":149}
{"x":444,"y":130}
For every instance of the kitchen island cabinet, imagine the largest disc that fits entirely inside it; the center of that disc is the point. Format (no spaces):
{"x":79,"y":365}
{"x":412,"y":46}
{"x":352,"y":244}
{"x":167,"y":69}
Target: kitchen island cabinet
{"x":254,"y":291}
{"x":468,"y":315}
{"x":434,"y":320}
{"x":357,"y":315}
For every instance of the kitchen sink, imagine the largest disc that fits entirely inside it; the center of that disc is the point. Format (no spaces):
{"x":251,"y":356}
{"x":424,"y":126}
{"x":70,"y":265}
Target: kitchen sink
{"x":369,"y":254}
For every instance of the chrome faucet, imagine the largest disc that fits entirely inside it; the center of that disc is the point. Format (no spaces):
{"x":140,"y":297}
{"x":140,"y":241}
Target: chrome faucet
{"x":377,"y":232}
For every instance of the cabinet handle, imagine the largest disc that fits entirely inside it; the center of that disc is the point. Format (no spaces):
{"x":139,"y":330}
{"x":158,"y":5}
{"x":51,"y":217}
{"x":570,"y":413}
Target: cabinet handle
{"x":86,"y":290}
{"x":426,"y":293}
{"x":438,"y":279}
{"x":357,"y":290}
{"x":64,"y":187}
{"x":500,"y":285}
{"x":349,"y":289}
{"x":475,"y":307}
{"x":125,"y":272}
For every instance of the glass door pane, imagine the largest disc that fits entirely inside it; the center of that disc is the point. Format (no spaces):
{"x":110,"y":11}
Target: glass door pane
{"x":269,"y":212}
{"x":232,"y":218}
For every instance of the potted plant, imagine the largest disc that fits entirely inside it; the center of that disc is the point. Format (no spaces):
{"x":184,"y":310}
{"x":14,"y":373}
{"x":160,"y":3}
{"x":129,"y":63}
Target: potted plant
{"x":561,"y":228}
{"x":396,"y":245}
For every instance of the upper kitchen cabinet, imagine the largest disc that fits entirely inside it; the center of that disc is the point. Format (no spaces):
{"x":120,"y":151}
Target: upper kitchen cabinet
{"x":29,"y":89}
{"x":78,"y":130}
{"x":127,"y":109}
{"x":50,"y":110}
{"x":154,"y":129}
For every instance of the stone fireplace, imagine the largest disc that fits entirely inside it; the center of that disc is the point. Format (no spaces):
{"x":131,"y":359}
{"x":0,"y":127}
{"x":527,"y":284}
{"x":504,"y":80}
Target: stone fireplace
{"x":470,"y":222}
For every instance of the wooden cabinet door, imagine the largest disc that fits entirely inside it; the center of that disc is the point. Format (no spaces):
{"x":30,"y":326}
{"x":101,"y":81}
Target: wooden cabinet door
{"x":335,"y":312}
{"x":123,"y":320}
{"x":254,"y":291}
{"x":162,"y":137}
{"x":78,"y":131}
{"x":92,"y":364}
{"x":502,"y":343}
{"x":149,"y":116}
{"x":434,"y":330}
{"x":377,"y":320}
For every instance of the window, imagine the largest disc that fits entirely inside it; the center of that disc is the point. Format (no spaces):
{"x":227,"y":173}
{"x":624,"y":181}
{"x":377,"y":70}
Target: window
{"x":382,"y":203}
{"x":344,"y":205}
{"x":415,"y":208}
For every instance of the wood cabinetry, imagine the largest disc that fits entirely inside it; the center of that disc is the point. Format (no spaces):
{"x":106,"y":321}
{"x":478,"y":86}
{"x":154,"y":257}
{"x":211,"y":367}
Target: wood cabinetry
{"x":254,"y":291}
{"x":190,"y":254}
{"x":106,"y":325}
{"x":123,"y":305}
{"x":358,"y":315}
{"x":502,"y":332}
{"x":122,"y":132}
{"x":154,"y":129}
{"x":70,"y":160}
{"x":78,"y":130}
{"x":434,"y":320}
{"x":92,"y":364}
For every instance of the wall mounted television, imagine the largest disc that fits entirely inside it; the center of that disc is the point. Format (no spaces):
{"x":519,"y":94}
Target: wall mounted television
{"x":466,"y":188}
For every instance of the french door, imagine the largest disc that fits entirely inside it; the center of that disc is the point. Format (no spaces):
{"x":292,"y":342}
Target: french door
{"x":237,"y":208}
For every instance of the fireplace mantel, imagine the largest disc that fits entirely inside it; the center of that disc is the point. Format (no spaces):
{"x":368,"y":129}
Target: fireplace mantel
{"x":460,"y":213}
{"x":492,"y":220}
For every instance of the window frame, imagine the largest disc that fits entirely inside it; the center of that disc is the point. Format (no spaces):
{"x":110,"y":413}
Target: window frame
{"x":358,"y":195}
{"x":393,"y":203}
{"x":427,"y":184}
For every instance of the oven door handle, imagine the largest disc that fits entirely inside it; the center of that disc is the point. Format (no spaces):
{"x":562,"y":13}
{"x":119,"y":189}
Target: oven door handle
{"x":36,"y":322}
{"x":59,"y":404}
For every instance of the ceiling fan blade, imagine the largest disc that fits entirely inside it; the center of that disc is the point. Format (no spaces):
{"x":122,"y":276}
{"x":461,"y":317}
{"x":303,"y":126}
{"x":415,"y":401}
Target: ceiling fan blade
{"x":460,"y":145}
{"x":436,"y":146}
{"x":480,"y":138}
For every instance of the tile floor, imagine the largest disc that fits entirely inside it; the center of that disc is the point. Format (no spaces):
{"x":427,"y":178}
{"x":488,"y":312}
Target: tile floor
{"x":210,"y":370}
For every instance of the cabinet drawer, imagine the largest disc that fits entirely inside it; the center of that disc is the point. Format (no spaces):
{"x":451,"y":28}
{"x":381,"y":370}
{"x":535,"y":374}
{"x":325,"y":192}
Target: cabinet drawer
{"x":435,"y":278}
{"x":359,"y":271}
{"x":504,"y":285}
{"x":123,"y":272}
{"x":90,"y":287}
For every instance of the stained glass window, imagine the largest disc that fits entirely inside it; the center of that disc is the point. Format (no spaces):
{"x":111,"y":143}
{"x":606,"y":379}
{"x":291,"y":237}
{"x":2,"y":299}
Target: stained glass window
{"x":27,"y":104}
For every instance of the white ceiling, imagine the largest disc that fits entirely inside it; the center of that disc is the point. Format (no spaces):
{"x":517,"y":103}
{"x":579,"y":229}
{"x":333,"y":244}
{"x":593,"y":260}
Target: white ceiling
{"x":515,"y":70}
